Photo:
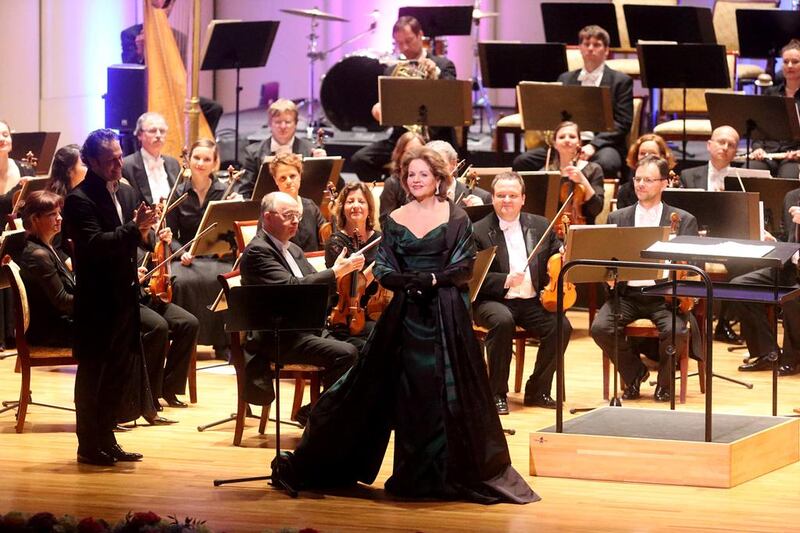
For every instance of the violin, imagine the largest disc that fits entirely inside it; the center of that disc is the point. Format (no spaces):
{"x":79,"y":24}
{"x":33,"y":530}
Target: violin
{"x":233,"y":177}
{"x":549,"y":294}
{"x":674,"y":181}
{"x":685,"y":303}
{"x":30,"y":161}
{"x":470,"y":178}
{"x":348,"y":311}
{"x":327,"y":209}
{"x":574,"y":202}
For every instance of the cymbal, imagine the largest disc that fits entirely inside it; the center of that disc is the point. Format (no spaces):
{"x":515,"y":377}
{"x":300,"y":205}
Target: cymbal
{"x":477,"y":14}
{"x":314,"y":13}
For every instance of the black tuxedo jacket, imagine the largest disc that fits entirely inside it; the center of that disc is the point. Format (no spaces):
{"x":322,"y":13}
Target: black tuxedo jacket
{"x":487,"y":233}
{"x":627,"y":218}
{"x":791,"y":198}
{"x":621,"y":86}
{"x":254,"y":155}
{"x":695,"y":177}
{"x":133,"y":170}
{"x":107,"y":288}
{"x":263,"y":264}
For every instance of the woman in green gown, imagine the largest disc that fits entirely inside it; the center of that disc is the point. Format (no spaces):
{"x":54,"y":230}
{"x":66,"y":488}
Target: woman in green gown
{"x":420,"y":374}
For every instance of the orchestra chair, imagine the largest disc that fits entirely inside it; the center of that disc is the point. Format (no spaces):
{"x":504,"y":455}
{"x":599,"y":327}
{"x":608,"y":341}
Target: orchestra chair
{"x":29,"y":356}
{"x":245,"y":230}
{"x":698,"y":125}
{"x":724,"y":19}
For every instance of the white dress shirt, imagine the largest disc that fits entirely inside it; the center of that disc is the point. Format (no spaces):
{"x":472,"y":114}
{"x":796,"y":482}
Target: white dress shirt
{"x":517,"y":259}
{"x":276,"y":148}
{"x":113,"y":187}
{"x":593,"y":78}
{"x":284,"y":248}
{"x":716,"y":178}
{"x":647,"y":218}
{"x":156,"y":175}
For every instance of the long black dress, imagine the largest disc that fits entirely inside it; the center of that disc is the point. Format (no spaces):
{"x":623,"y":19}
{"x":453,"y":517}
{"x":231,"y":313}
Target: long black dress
{"x":421,"y":374}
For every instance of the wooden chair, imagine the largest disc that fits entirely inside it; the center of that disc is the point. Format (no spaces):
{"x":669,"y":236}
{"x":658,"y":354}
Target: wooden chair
{"x":29,"y":356}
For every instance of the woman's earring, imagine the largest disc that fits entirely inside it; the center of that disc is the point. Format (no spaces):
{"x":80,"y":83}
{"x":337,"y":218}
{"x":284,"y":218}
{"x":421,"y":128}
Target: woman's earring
{"x":438,"y":183}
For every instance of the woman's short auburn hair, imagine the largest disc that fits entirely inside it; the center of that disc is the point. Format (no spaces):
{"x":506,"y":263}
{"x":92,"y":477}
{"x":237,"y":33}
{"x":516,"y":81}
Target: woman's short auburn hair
{"x":663,"y":148}
{"x":39,"y":203}
{"x":341,"y":198}
{"x":434,"y":162}
{"x":287,"y":159}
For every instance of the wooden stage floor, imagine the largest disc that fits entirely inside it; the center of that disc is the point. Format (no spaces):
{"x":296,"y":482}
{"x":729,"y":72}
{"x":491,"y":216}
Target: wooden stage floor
{"x":40,"y":472}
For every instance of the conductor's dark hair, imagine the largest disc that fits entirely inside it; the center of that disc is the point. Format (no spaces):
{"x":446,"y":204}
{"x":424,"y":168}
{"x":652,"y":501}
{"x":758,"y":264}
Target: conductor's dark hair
{"x":95,"y":142}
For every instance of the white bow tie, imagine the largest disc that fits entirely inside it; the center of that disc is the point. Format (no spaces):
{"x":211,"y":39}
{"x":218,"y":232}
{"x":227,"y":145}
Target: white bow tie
{"x":505,"y":225}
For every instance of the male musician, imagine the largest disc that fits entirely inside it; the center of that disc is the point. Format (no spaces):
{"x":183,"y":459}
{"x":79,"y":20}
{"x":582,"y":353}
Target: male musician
{"x":282,"y":115}
{"x":607,"y":149}
{"x":711,"y":177}
{"x":369,"y":162}
{"x":756,"y":328}
{"x":271,"y":259}
{"x":151,"y":173}
{"x":509,"y":296}
{"x":652,"y":175}
{"x":102,"y":218}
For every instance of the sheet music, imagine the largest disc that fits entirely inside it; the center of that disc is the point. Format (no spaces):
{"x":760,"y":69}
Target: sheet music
{"x":724,"y":249}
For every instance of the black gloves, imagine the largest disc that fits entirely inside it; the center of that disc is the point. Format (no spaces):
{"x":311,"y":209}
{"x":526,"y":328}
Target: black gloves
{"x":417,"y":285}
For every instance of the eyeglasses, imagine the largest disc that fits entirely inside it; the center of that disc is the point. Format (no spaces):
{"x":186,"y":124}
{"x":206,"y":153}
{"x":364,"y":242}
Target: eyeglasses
{"x":647,"y":181}
{"x":154,"y":131}
{"x":289,"y":215}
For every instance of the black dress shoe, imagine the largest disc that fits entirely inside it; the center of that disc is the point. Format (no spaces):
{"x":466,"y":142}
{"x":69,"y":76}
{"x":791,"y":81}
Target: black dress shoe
{"x":173,"y":401}
{"x":541,"y":399}
{"x":501,"y":403}
{"x":119,"y":454}
{"x":724,"y":333}
{"x":302,"y":414}
{"x":661,"y":394}
{"x":631,"y":391}
{"x":788,"y":369}
{"x":95,"y":457}
{"x":759,"y":363}
{"x":159,"y":421}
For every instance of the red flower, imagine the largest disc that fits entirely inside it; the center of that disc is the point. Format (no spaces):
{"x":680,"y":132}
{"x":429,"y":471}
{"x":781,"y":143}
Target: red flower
{"x":90,"y":525}
{"x":145,"y":519}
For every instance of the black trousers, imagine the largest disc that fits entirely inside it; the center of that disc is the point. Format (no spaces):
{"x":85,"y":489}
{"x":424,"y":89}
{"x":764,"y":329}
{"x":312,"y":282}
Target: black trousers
{"x":756,"y":328}
{"x":501,"y":319}
{"x":608,"y":158}
{"x":97,"y":398}
{"x":212,"y":111}
{"x":169,"y":336}
{"x":633,"y":306}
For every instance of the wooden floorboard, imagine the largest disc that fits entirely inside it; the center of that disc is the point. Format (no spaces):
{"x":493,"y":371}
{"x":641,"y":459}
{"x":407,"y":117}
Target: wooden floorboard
{"x":40,"y":472}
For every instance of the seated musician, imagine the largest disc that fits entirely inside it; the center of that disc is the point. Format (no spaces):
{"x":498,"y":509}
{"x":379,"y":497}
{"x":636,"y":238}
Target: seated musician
{"x":566,"y":159}
{"x":287,"y":171}
{"x":369,"y":162}
{"x":457,"y":190}
{"x":652,"y":175}
{"x":756,"y":328}
{"x":67,"y":170}
{"x":272,"y":259}
{"x":789,"y":166}
{"x":11,"y":171}
{"x":133,"y":46}
{"x":393,"y":195}
{"x":647,"y":144}
{"x":607,"y":149}
{"x":196,"y":286}
{"x":151,"y":173}
{"x":282,"y":115}
{"x":509,"y":296}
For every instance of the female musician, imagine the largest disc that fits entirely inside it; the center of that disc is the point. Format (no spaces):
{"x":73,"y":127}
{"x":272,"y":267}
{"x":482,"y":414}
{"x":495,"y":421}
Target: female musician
{"x":196,"y":284}
{"x":393,"y":195}
{"x":567,"y":144}
{"x":68,"y":170}
{"x":421,"y":373}
{"x":647,"y":144}
{"x":287,"y":171}
{"x":789,"y":166}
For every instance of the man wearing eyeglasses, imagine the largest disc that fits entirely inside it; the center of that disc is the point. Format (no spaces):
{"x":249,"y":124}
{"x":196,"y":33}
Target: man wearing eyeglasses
{"x":271,"y":259}
{"x":651,"y":179}
{"x":148,"y":171}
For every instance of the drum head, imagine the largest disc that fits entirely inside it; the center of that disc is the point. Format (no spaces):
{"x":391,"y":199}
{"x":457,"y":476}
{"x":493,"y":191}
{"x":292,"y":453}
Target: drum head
{"x":349,"y":90}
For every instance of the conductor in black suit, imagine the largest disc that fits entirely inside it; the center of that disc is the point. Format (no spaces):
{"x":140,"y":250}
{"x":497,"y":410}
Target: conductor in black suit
{"x":151,"y":173}
{"x":607,"y":148}
{"x":369,"y":162}
{"x":652,"y":175}
{"x":509,"y":296}
{"x":271,"y":259}
{"x":107,"y":224}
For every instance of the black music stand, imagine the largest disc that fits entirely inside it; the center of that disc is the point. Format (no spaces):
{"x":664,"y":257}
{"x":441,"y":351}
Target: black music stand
{"x":564,"y":20}
{"x":478,"y":212}
{"x":755,"y":116}
{"x":682,"y":24}
{"x":439,"y":21}
{"x":730,"y":215}
{"x":236,"y":44}
{"x":542,"y":192}
{"x":543,"y":105}
{"x":42,"y":143}
{"x":771,"y":191}
{"x":504,"y":65}
{"x":763,"y":32}
{"x":277,"y":309}
{"x":683,"y":66}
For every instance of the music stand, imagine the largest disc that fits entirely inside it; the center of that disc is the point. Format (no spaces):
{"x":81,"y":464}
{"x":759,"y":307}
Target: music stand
{"x":564,"y":20}
{"x":542,"y":190}
{"x":29,"y":186}
{"x":277,"y":309}
{"x":42,"y":143}
{"x":478,"y":212}
{"x":771,"y":192}
{"x":439,"y":21}
{"x":236,"y":44}
{"x":317,"y":172}
{"x":442,"y":103}
{"x":683,"y":66}
{"x":763,"y":32}
{"x":543,"y":105}
{"x":504,"y":64}
{"x":755,"y":116}
{"x":682,"y":24}
{"x":222,"y":239}
{"x":610,"y":243}
{"x":732,"y":215}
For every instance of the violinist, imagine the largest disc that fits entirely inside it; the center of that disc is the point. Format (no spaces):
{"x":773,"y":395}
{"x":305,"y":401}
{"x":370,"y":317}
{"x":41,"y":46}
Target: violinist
{"x":509,"y":296}
{"x":652,"y":174}
{"x":647,"y":144}
{"x":11,"y":170}
{"x":457,"y":190}
{"x":589,"y":176}
{"x":287,"y":171}
{"x":151,"y":173}
{"x":67,"y":170}
{"x":393,"y":195}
